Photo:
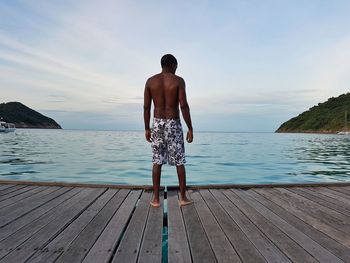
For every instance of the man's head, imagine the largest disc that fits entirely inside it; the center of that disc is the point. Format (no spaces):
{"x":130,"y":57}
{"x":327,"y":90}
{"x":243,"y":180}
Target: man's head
{"x":169,"y":63}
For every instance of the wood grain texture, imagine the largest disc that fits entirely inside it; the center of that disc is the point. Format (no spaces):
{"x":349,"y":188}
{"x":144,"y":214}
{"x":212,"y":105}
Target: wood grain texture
{"x":29,"y":244}
{"x":241,"y":243}
{"x":269,"y":226}
{"x":151,"y":247}
{"x":63,"y":241}
{"x":86,"y":238}
{"x":303,"y":214}
{"x":201,"y":250}
{"x":105,"y":245}
{"x":303,"y":249}
{"x":129,"y":247}
{"x":221,"y":246}
{"x":65,"y":223}
{"x":324,"y":240}
{"x":178,"y":247}
{"x":267,"y":248}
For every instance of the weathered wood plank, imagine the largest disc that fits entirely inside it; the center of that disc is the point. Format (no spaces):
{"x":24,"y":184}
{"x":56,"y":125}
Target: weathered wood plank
{"x":108,"y":240}
{"x":129,"y":247}
{"x":287,"y":245}
{"x":326,"y":212}
{"x":323,"y":200}
{"x":11,"y":189}
{"x":222,"y":248}
{"x":151,"y":247}
{"x":263,"y":244}
{"x":178,"y":248}
{"x":12,"y":212}
{"x":341,"y":189}
{"x":303,"y":215}
{"x":322,"y":213}
{"x":245,"y":249}
{"x":86,"y":238}
{"x":334,"y":194}
{"x":11,"y":199}
{"x":306,"y":246}
{"x":299,"y":224}
{"x":35,"y":214}
{"x":84,"y":185}
{"x":248,"y":186}
{"x":176,"y":187}
{"x":10,"y":242}
{"x":4,"y":186}
{"x":339,"y":193}
{"x":28,"y":246}
{"x":62,"y":242}
{"x":324,"y":240}
{"x":18,"y":192}
{"x":201,"y":250}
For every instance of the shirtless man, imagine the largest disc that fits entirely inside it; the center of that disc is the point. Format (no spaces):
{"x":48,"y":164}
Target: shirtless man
{"x":167,"y":91}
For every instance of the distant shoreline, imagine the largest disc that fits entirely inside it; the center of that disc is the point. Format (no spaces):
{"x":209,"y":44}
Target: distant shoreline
{"x":310,"y":132}
{"x":67,"y":129}
{"x":329,"y":117}
{"x":36,"y":128}
{"x":24,"y":117}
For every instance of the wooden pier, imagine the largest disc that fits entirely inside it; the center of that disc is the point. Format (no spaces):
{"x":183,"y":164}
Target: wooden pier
{"x":52,"y":222}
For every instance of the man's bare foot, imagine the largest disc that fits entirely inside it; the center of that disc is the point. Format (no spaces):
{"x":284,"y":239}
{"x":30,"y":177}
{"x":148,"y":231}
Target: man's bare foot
{"x":185,"y":201}
{"x":155,"y":204}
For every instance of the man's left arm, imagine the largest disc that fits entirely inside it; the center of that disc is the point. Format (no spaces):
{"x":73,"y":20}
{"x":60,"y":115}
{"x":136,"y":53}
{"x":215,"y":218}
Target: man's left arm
{"x":147,"y":100}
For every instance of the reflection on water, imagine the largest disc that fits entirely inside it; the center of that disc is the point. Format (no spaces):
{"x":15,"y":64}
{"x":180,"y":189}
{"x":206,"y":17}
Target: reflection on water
{"x":217,"y":158}
{"x":327,"y":157}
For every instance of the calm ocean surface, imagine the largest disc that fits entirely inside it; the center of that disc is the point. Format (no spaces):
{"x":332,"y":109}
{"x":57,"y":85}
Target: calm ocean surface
{"x":214,"y":158}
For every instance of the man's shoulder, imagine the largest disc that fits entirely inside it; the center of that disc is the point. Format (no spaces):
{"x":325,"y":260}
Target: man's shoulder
{"x":179,"y":77}
{"x":160,"y":76}
{"x":180,"y":80}
{"x":153,"y":77}
{"x":152,"y":80}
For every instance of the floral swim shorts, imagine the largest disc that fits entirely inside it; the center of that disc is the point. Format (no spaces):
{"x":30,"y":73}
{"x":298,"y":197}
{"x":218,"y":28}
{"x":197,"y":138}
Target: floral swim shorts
{"x":167,"y":142}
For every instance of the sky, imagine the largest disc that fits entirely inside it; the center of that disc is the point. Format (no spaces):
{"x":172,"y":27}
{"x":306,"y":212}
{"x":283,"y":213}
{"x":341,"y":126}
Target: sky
{"x":249,"y":65}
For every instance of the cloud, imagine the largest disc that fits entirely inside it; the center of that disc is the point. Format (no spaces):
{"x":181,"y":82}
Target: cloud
{"x":53,"y":98}
{"x":125,"y":100}
{"x":278,"y":97}
{"x":329,"y":68}
{"x":49,"y":64}
{"x":238,"y":59}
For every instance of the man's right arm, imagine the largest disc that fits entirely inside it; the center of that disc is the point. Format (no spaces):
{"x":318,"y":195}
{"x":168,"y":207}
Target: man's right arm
{"x":185,"y":109}
{"x":147,"y":111}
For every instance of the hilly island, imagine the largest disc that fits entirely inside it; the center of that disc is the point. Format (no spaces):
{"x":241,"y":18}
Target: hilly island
{"x":25,"y":117}
{"x":326,"y":117}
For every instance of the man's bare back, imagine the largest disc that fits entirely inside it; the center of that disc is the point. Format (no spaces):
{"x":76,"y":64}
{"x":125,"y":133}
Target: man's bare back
{"x":167,"y":91}
{"x":165,"y":88}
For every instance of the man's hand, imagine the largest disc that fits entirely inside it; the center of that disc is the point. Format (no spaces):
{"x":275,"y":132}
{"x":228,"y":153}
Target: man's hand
{"x":148,"y":135}
{"x":189,"y":136}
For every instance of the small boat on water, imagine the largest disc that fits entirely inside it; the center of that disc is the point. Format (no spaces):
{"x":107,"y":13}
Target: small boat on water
{"x":345,"y":132}
{"x":7,"y":127}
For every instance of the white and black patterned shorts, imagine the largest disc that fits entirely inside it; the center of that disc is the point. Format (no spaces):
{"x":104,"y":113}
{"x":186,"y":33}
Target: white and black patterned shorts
{"x":167,"y":142}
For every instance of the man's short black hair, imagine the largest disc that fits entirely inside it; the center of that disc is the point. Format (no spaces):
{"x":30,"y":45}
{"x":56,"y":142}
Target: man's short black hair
{"x":168,"y":60}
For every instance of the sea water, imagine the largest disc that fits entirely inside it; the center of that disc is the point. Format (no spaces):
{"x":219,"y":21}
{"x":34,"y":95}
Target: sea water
{"x":124,"y":157}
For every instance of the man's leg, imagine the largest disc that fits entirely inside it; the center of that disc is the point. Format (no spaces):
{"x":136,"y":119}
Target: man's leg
{"x":156,"y":173}
{"x":181,"y":174}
